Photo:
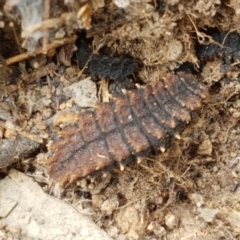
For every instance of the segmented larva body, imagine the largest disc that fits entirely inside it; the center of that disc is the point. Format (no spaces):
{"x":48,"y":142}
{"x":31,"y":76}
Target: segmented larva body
{"x":127,"y":127}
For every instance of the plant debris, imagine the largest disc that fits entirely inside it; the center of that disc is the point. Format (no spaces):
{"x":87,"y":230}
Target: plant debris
{"x":104,"y":66}
{"x":165,"y":195}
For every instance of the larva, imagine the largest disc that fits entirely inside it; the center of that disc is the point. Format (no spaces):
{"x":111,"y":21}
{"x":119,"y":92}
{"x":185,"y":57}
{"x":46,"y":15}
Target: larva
{"x":127,"y":127}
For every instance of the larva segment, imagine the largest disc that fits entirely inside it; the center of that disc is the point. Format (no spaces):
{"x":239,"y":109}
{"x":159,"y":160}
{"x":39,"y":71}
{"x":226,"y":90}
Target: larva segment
{"x":117,"y":146}
{"x":67,"y":165}
{"x":150,"y":124}
{"x":137,"y":103}
{"x":72,"y":137}
{"x":136,"y":138}
{"x":167,"y":101}
{"x":99,"y":156}
{"x":181,"y":93}
{"x":157,"y":131}
{"x":105,"y":117}
{"x":88,"y":127}
{"x":193,"y":85}
{"x":85,"y":161}
{"x":158,"y":111}
{"x":130,"y":125}
{"x":122,"y":109}
{"x":69,"y":141}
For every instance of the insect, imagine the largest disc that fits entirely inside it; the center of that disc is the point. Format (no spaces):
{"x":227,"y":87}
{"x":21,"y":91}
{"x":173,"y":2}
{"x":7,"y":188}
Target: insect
{"x":126,"y":127}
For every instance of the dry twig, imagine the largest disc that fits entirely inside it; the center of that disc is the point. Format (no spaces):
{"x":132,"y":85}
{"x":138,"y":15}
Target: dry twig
{"x":26,"y":55}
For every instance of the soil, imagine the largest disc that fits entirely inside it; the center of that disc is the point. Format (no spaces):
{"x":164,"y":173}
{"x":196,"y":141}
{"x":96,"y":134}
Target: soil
{"x":192,"y":191}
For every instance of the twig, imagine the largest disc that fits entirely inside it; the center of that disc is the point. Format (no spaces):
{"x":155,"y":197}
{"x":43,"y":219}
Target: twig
{"x":235,"y":29}
{"x":49,"y":23}
{"x":12,"y":150}
{"x":202,"y":36}
{"x":45,"y":17}
{"x":55,"y":44}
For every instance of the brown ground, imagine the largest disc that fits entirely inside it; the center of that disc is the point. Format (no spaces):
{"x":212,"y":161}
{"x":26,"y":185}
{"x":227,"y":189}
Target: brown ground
{"x":189,"y":192}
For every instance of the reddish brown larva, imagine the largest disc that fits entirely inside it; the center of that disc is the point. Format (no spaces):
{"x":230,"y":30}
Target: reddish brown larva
{"x":126,"y":127}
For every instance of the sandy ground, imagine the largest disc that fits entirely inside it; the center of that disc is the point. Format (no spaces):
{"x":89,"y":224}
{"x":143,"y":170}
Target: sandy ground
{"x":192,"y":191}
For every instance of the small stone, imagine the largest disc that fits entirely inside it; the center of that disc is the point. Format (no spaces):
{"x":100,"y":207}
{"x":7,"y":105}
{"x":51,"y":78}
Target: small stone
{"x":133,"y":235}
{"x":175,"y":50}
{"x":160,"y":231}
{"x":110,"y":205}
{"x":82,"y":183}
{"x":38,"y":61}
{"x":236,"y":104}
{"x":122,"y":3}
{"x":113,"y":231}
{"x":197,"y":198}
{"x":121,"y":237}
{"x":62,"y":106}
{"x":215,"y":169}
{"x":14,"y":229}
{"x":159,"y":200}
{"x":207,"y":214}
{"x":157,"y":229}
{"x":41,"y":125}
{"x":84,"y":93}
{"x":2,"y":24}
{"x":171,"y":220}
{"x":3,"y":235}
{"x":151,"y":226}
{"x":205,"y":148}
{"x":233,"y":131}
{"x":156,"y":16}
{"x":233,"y":154}
{"x":97,"y":200}
{"x":91,"y":186}
{"x":215,"y":188}
{"x":236,"y":114}
{"x":200,"y":183}
{"x":47,"y":113}
{"x":129,"y":218}
{"x":46,"y":102}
